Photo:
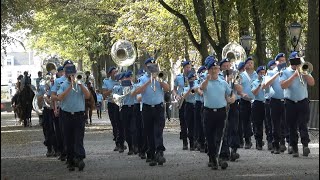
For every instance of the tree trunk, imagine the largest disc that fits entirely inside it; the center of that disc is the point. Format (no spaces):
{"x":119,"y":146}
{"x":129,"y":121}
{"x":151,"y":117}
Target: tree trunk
{"x":312,"y":49}
{"x":80,"y":65}
{"x":282,"y":26}
{"x":243,"y":14}
{"x":260,"y":35}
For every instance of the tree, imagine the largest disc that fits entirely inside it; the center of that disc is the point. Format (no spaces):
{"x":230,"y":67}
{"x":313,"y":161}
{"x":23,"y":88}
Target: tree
{"x":312,"y":49}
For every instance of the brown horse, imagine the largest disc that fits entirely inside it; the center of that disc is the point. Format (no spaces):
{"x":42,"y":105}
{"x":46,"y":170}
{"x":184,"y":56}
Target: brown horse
{"x":24,"y":105}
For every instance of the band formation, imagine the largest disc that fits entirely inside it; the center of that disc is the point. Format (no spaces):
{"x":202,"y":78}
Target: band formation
{"x":221,"y":106}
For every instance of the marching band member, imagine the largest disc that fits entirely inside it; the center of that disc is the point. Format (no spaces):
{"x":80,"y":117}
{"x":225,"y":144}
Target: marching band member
{"x":72,"y":95}
{"x":241,"y":69}
{"x":277,"y":106}
{"x":199,"y":110}
{"x":113,"y":109}
{"x":188,"y":95}
{"x":268,"y":122}
{"x":127,"y":114}
{"x":99,"y":103}
{"x":216,"y":95}
{"x":153,"y":114}
{"x":57,"y":108}
{"x":44,"y":94}
{"x":141,"y":135}
{"x":179,"y":83}
{"x":231,"y":138}
{"x":258,"y":109}
{"x":120,"y":125}
{"x":297,"y":103}
{"x":247,"y":77}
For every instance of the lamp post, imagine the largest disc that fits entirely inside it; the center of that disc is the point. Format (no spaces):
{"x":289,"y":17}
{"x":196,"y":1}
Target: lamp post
{"x":245,"y":42}
{"x":295,"y":30}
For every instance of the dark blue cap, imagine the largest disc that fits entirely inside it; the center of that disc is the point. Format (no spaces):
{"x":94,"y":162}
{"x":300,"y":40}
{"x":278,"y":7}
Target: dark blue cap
{"x":140,"y":71}
{"x":191,"y":75}
{"x":128,"y":74}
{"x":211,"y":63}
{"x":111,"y":68}
{"x":120,"y":76}
{"x":270,"y":63}
{"x":248,"y":59}
{"x":67,"y":62}
{"x":241,"y":65}
{"x":260,"y":68}
{"x":279,"y":56}
{"x":294,"y":55}
{"x":185,"y":63}
{"x":201,"y":69}
{"x":223,"y":61}
{"x":49,"y":73}
{"x":149,"y":60}
{"x":60,"y":68}
{"x":209,"y":58}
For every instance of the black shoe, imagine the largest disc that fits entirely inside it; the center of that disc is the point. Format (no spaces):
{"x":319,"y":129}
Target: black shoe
{"x":234,"y":155}
{"x":130,"y":152}
{"x":81,"y":165}
{"x":160,"y":159}
{"x":248,"y":145}
{"x":241,"y":144}
{"x":63,"y":158}
{"x":185,"y":145}
{"x":283,"y":148}
{"x":210,"y":162}
{"x":295,"y":153}
{"x":50,"y":153}
{"x":276,"y":150}
{"x":143,"y":156}
{"x":270,"y":146}
{"x":290,"y":151}
{"x":148,"y":159}
{"x":306,"y":151}
{"x":121,"y":149}
{"x":202,"y":150}
{"x":135,"y":150}
{"x":259,"y":146}
{"x":152,"y":162}
{"x":70,"y":166}
{"x":116,"y":148}
{"x":223,"y":164}
{"x":214,"y":163}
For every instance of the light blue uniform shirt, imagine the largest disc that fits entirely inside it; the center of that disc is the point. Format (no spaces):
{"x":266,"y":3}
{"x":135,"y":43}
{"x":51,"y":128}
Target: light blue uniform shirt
{"x":136,"y":97}
{"x":57,"y":83}
{"x":149,"y":96}
{"x":191,"y":97}
{"x":128,"y":99}
{"x":99,"y":97}
{"x":41,"y":91}
{"x":278,"y":91}
{"x":180,"y":83}
{"x":260,"y":96}
{"x":197,"y":97}
{"x":74,"y":101}
{"x":296,"y":91}
{"x":246,"y":83}
{"x":108,"y":84}
{"x":215,"y":94}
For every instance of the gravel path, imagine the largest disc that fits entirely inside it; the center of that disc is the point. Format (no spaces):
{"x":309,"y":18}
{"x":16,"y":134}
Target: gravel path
{"x":23,"y":157}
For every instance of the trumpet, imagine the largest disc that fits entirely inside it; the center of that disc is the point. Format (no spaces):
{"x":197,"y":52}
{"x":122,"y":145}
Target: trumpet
{"x":304,"y":69}
{"x":80,"y":78}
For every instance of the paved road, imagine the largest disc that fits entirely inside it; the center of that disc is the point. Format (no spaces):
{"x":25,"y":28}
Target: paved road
{"x":23,"y":157}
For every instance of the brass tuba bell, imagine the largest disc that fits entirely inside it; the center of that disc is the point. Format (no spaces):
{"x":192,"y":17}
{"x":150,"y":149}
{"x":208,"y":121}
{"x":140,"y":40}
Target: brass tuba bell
{"x":123,"y":53}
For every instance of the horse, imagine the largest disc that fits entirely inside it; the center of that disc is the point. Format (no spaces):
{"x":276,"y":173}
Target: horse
{"x":24,"y":105}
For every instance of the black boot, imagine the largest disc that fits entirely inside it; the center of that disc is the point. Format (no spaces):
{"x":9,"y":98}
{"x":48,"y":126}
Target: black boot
{"x":192,"y":148}
{"x":159,"y":158}
{"x":305,"y":150}
{"x":214,"y":164}
{"x":234,"y":155}
{"x":295,"y":151}
{"x":185,"y":144}
{"x":259,"y":145}
{"x":248,"y":143}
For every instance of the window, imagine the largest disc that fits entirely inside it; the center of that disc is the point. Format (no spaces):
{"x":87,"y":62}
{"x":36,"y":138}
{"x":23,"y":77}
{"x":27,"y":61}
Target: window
{"x":9,"y":60}
{"x":9,"y":74}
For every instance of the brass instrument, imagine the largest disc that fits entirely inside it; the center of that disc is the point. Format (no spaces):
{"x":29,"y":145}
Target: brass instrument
{"x":155,"y":75}
{"x":80,"y":78}
{"x":124,"y":54}
{"x":118,"y":99}
{"x":51,"y":67}
{"x":304,"y":69}
{"x":236,"y":54}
